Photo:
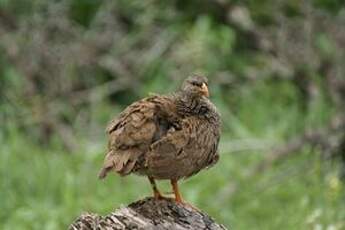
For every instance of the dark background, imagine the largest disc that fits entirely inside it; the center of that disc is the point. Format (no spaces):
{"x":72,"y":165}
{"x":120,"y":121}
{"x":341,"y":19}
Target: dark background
{"x":276,"y":71}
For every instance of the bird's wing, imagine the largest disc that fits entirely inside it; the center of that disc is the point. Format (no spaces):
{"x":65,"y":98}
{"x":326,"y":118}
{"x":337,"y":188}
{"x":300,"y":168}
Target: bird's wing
{"x":134,"y":130}
{"x":184,"y":152}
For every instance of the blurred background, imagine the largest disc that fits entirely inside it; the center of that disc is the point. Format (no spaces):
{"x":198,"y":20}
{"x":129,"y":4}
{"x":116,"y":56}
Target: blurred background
{"x":277,"y":75}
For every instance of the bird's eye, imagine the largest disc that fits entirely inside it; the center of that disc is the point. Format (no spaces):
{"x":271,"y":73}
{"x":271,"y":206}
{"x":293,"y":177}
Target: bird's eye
{"x":195,"y":83}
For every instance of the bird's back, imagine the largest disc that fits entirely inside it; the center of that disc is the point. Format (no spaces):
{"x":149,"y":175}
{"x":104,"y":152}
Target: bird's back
{"x":134,"y":130}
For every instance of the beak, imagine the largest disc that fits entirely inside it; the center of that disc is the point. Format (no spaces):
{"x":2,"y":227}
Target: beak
{"x":204,"y":90}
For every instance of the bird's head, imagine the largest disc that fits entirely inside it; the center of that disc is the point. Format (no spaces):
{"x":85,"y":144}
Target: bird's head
{"x":196,"y":85}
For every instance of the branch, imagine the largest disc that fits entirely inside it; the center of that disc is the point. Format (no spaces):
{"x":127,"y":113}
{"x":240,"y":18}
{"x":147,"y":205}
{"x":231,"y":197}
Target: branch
{"x":328,"y":138}
{"x":321,"y":137}
{"x":148,"y":214}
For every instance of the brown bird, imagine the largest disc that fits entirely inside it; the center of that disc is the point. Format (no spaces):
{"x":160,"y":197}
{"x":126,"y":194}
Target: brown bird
{"x":166,"y":136}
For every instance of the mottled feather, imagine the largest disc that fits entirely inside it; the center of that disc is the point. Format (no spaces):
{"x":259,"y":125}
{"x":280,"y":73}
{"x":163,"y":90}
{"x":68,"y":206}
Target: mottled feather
{"x":164,"y":137}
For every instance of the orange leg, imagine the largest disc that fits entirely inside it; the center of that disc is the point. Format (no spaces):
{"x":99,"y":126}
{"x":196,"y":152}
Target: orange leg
{"x":156,"y":193}
{"x":174,"y":185}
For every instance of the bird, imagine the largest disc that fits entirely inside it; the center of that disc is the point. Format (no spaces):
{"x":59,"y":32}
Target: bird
{"x":165,"y":137}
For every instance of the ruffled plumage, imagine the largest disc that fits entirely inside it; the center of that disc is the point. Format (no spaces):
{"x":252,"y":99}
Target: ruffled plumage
{"x":164,"y":137}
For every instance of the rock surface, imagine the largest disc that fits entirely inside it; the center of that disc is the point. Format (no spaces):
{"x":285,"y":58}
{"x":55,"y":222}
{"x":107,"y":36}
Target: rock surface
{"x":149,"y":214}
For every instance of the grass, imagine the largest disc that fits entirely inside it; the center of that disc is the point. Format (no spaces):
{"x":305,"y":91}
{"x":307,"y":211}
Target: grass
{"x":47,"y":190}
{"x":44,"y":187}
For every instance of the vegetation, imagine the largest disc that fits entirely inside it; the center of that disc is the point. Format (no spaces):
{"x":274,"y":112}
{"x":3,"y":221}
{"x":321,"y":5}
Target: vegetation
{"x":277,"y":76}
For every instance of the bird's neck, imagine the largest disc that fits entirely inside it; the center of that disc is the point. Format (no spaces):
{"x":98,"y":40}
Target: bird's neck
{"x":195,"y":105}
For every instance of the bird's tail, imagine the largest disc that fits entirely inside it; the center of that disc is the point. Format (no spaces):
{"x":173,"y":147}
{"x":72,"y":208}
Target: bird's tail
{"x":103,"y":173}
{"x":120,"y":161}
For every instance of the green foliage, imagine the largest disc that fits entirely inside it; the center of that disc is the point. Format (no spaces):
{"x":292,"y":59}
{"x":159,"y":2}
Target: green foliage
{"x":67,"y":67}
{"x":84,"y":11}
{"x":47,"y":190}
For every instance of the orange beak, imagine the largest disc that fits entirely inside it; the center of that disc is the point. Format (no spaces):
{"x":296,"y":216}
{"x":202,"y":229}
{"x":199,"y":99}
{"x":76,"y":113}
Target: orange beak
{"x":204,"y":90}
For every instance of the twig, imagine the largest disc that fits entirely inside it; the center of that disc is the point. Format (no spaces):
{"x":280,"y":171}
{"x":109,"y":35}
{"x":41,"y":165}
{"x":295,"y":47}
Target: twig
{"x":309,"y":137}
